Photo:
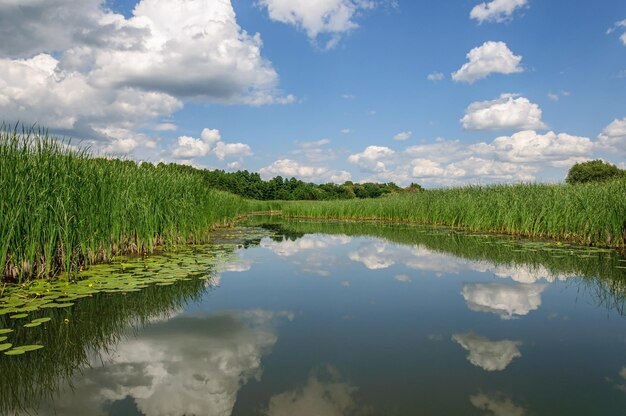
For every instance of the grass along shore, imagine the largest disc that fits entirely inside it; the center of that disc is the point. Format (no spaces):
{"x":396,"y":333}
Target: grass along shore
{"x":62,"y":209}
{"x":591,"y":214}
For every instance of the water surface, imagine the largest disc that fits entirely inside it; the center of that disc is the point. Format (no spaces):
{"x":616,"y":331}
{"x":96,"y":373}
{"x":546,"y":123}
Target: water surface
{"x":346,"y":319}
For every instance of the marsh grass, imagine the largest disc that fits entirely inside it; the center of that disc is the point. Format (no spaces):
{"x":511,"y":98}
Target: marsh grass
{"x":62,"y":209}
{"x":591,"y":214}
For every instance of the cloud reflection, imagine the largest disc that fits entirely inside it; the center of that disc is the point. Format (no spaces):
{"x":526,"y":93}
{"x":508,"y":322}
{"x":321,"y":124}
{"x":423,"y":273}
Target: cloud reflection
{"x":187,"y":365}
{"x":325,"y":393}
{"x":486,"y":354}
{"x":506,"y":300}
{"x":496,"y":405}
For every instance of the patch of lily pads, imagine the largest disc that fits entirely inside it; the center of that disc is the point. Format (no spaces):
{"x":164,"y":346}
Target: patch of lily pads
{"x":121,"y":277}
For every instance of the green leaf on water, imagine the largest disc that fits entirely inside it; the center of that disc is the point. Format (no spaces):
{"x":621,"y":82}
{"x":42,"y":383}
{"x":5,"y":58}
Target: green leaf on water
{"x":3,"y":338}
{"x":5,"y":346}
{"x":42,"y":320}
{"x":18,"y":316}
{"x":14,"y":352}
{"x":27,"y":348}
{"x":32,"y":324}
{"x":5,"y":330}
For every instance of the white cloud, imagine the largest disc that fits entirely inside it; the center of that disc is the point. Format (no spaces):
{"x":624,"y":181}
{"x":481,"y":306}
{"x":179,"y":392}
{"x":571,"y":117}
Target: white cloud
{"x":372,"y":158}
{"x":489,"y":58}
{"x":36,"y":90}
{"x":496,"y":405}
{"x":496,"y":10}
{"x":291,"y":168}
{"x":88,"y":70}
{"x":315,"y":151}
{"x":165,"y":127}
{"x":224,"y":150}
{"x":519,"y":157}
{"x":403,"y":135}
{"x":506,"y":112}
{"x":613,"y":136}
{"x":318,"y":17}
{"x":187,"y":147}
{"x":345,"y":131}
{"x":617,"y":26}
{"x":530,"y":147}
{"x":435,"y":76}
{"x":348,"y":96}
{"x":507,"y":301}
{"x":426,"y":168}
{"x":486,"y":354}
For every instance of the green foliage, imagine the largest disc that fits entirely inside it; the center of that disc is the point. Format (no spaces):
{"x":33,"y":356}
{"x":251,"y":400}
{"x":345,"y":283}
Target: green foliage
{"x":61,"y":209}
{"x":593,"y":213}
{"x":250,"y":185}
{"x":593,"y":171}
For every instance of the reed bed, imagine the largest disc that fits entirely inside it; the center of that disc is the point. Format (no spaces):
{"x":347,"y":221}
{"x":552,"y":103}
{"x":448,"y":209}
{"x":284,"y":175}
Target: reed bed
{"x":592,"y":213}
{"x":61,"y":208}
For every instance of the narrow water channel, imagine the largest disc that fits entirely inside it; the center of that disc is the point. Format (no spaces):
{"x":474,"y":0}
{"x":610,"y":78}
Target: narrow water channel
{"x":307,"y":318}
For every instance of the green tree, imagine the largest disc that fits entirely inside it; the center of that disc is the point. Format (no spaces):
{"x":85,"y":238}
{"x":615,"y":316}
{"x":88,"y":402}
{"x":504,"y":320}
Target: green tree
{"x":593,"y":171}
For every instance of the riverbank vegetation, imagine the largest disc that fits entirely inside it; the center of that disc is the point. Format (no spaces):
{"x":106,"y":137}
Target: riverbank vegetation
{"x":62,"y":209}
{"x":589,"y":213}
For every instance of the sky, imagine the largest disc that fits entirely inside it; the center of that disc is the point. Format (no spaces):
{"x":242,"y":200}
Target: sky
{"x":432,"y":92}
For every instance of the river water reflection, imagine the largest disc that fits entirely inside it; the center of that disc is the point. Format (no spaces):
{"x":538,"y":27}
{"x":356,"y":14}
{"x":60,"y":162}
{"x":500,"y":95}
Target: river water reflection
{"x":346,"y":319}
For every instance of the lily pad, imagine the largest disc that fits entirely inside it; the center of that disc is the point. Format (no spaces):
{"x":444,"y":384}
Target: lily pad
{"x":18,"y":316}
{"x":42,"y":320}
{"x":5,"y":330}
{"x":27,"y":348}
{"x":32,"y":324}
{"x":14,"y":352}
{"x":5,"y":346}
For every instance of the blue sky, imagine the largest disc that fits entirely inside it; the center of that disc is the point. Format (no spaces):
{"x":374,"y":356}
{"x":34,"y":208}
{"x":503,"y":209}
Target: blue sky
{"x":325,"y":89}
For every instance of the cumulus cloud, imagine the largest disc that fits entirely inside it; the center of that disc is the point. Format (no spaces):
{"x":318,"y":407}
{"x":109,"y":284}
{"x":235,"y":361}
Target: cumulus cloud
{"x":210,"y":142}
{"x":318,"y":17}
{"x":291,"y":168}
{"x":489,"y":58}
{"x":613,"y":136}
{"x":372,"y":158}
{"x":507,"y":301}
{"x":497,"y":405}
{"x":621,"y":25}
{"x":435,"y":76}
{"x":486,"y":354}
{"x":403,"y":135}
{"x":519,"y":157}
{"x":529,"y":146}
{"x":507,"y":112}
{"x":80,"y":69}
{"x":496,"y":10}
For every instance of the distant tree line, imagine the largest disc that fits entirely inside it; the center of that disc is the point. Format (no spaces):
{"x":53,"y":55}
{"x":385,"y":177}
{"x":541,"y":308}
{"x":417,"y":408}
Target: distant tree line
{"x":250,"y":185}
{"x":593,"y":171}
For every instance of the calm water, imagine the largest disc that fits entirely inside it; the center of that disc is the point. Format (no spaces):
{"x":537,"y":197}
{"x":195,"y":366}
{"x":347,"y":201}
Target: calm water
{"x":340,"y":319}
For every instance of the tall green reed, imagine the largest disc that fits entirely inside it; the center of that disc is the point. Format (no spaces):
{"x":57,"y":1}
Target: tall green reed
{"x":593,"y":213}
{"x":61,"y":208}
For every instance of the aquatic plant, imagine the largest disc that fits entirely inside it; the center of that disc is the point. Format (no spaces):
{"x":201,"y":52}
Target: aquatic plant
{"x":590,"y":213}
{"x":62,"y":209}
